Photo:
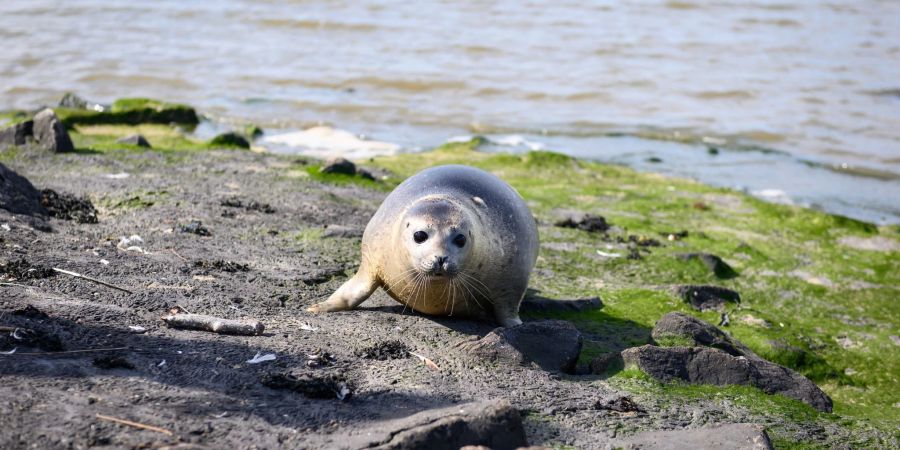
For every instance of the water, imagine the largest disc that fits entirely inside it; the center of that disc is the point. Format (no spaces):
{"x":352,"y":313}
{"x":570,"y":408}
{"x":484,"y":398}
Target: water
{"x":801,"y":98}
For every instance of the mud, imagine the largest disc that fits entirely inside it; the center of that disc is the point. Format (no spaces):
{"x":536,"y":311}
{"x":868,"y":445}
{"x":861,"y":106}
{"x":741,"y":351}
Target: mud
{"x":199,"y":385}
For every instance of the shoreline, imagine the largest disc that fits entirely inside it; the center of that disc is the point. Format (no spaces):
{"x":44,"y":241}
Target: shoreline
{"x":729,"y":162}
{"x":816,"y":296}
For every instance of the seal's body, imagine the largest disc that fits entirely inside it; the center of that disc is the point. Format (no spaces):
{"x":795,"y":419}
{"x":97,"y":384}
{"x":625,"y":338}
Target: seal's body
{"x":450,"y":240}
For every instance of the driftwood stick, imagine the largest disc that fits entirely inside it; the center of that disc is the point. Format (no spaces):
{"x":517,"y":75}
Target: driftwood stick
{"x":135,"y":424}
{"x":214,"y":324}
{"x":94,"y":280}
{"x":69,"y":352}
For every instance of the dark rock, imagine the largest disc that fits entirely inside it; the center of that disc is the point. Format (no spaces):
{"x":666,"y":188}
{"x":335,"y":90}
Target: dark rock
{"x":686,"y":327}
{"x":224,"y":266}
{"x":312,"y":386}
{"x":341,"y":232}
{"x":364,"y":173}
{"x":618,"y":403}
{"x":112,"y":362}
{"x":17,"y":135}
{"x":537,"y":303}
{"x":373,"y":173}
{"x":135,"y":139}
{"x":72,"y":101}
{"x":703,"y":365}
{"x":743,"y":367}
{"x":230,"y":139}
{"x":712,"y":262}
{"x":18,"y":195}
{"x":739,"y":436}
{"x":24,"y":270}
{"x":493,"y":424}
{"x":338,"y":165}
{"x":68,"y":207}
{"x":196,"y":227}
{"x":704,"y":298}
{"x":700,"y":365}
{"x":586,"y":222}
{"x":253,"y":205}
{"x":133,"y":111}
{"x":31,"y":312}
{"x":49,"y":133}
{"x":639,"y":240}
{"x":603,"y":362}
{"x":384,"y":351}
{"x":24,"y":337}
{"x":253,"y":131}
{"x":232,"y":202}
{"x":261,"y":207}
{"x":553,"y":345}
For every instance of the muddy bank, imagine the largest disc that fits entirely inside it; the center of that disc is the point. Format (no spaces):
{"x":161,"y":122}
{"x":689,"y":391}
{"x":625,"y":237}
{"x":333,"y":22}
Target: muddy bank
{"x":334,"y":378}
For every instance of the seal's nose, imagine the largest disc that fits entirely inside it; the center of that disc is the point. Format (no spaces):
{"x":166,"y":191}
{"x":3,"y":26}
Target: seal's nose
{"x":440,"y":264}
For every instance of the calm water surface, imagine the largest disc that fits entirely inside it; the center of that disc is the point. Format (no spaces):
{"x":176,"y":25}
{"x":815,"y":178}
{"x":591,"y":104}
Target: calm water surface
{"x":801,"y":98}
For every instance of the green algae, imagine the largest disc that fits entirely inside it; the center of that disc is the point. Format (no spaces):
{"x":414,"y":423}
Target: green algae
{"x":809,"y":302}
{"x":313,"y":171}
{"x":103,"y":138}
{"x":131,"y":111}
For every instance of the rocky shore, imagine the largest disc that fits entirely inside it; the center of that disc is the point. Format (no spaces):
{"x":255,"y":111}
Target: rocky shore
{"x":662,"y":311}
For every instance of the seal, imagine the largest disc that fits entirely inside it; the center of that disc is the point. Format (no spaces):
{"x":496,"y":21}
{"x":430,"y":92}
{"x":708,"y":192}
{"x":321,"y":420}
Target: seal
{"x":450,"y":240}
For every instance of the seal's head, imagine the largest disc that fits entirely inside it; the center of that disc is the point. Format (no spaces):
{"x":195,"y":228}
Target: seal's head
{"x":436,"y":234}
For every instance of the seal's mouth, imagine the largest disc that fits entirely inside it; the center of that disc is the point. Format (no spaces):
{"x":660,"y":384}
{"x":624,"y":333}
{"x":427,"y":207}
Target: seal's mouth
{"x":439,"y":275}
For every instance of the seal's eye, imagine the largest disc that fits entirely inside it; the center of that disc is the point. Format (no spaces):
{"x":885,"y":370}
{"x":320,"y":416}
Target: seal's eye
{"x":459,"y":241}
{"x":420,"y":237}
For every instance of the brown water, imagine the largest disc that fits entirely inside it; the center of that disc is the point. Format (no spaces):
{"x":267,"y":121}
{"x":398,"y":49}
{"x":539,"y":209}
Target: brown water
{"x":801,"y":98}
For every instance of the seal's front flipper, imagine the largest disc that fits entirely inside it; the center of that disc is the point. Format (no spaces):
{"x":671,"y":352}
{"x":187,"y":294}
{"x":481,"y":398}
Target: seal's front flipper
{"x":505,"y":313}
{"x":350,"y":295}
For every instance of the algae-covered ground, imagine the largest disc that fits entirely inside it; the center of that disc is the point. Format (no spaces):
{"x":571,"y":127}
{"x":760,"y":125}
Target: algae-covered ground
{"x":818,"y":292}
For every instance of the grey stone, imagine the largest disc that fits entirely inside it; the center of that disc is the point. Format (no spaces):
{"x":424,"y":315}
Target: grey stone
{"x":341,"y":231}
{"x":737,"y":436}
{"x":537,"y":303}
{"x":494,"y":424}
{"x":705,"y":298}
{"x":73,"y":101}
{"x":18,"y":195}
{"x":603,"y":362}
{"x":16,"y":135}
{"x":49,"y":133}
{"x":364,"y":173}
{"x":712,"y":262}
{"x":703,"y":365}
{"x":582,"y":221}
{"x":135,"y":139}
{"x":230,"y":139}
{"x":553,"y":345}
{"x":619,"y":403}
{"x":681,"y":325}
{"x":338,"y":165}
